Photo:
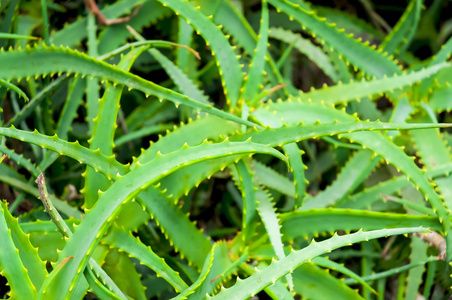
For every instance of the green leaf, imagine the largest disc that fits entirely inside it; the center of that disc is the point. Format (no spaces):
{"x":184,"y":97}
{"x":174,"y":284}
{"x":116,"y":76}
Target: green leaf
{"x":305,"y":46}
{"x":11,"y":263}
{"x":227,"y":62}
{"x":14,"y":88}
{"x":126,"y":242}
{"x":101,"y":216}
{"x":311,"y":282}
{"x":405,"y":29}
{"x":261,"y":279}
{"x":360,"y":55}
{"x":252,"y":81}
{"x":50,"y":60}
{"x":312,"y":222}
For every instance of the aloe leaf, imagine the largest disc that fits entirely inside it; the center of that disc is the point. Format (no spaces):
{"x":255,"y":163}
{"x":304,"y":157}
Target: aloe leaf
{"x":103,"y":285}
{"x":106,"y":165}
{"x":297,"y":168}
{"x":57,"y":60}
{"x":45,"y":226}
{"x":176,"y":74}
{"x":351,"y":23}
{"x":207,"y":265}
{"x":354,"y":172}
{"x":142,"y":42}
{"x":92,"y":85}
{"x":233,"y":22}
{"x":126,"y":242}
{"x":228,"y":64}
{"x":28,"y":254}
{"x":7,"y":24}
{"x":123,"y":270}
{"x":392,"y":271}
{"x":69,"y":112}
{"x":404,"y":30}
{"x":164,"y":216}
{"x":415,"y":276}
{"x":209,"y":127}
{"x":5,"y":35}
{"x":429,"y":142}
{"x":368,"y":196}
{"x":185,"y":37}
{"x":47,"y":243}
{"x":358,"y":54}
{"x":55,"y":272}
{"x":343,"y":93}
{"x":294,"y":133}
{"x":443,"y":54}
{"x":14,"y":88}
{"x":181,"y":80}
{"x":45,"y":20}
{"x":104,"y":130}
{"x":181,"y":182}
{"x":310,"y":282}
{"x":98,"y":286}
{"x":252,"y":80}
{"x":401,"y":114}
{"x":34,"y":102}
{"x":145,"y":131}
{"x":220,"y":270}
{"x":292,"y":112}
{"x":277,"y":290}
{"x":271,"y":223}
{"x":191,"y":243}
{"x":431,"y":270}
{"x":100,"y":217}
{"x":273,"y":180}
{"x":366,"y":265}
{"x":101,"y":291}
{"x":8,"y":171}
{"x":243,"y":178}
{"x":148,"y":114}
{"x":441,"y":99}
{"x":325,"y":262}
{"x":176,"y":226}
{"x":312,"y":222}
{"x":306,"y":47}
{"x":11,"y":263}
{"x":443,"y":77}
{"x":410,"y":206}
{"x":74,"y":100}
{"x":20,"y":160}
{"x":45,"y":237}
{"x":261,"y":279}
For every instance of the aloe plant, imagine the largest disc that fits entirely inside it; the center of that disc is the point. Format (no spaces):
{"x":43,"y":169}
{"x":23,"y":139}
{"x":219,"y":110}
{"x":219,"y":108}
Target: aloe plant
{"x":195,"y":166}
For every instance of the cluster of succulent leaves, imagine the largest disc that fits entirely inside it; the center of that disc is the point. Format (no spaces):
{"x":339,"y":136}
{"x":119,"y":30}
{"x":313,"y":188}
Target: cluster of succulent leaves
{"x":183,"y":160}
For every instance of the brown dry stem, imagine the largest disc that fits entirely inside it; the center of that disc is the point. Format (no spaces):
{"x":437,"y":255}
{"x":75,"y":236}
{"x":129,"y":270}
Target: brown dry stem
{"x":92,"y":6}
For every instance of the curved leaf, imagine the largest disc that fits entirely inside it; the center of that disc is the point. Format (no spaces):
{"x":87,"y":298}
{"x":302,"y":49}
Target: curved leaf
{"x":260,"y":279}
{"x":101,"y":216}
{"x":50,"y":60}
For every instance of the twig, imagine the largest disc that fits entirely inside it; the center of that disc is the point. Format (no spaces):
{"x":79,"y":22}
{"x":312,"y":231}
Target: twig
{"x":92,"y":6}
{"x":375,"y":18}
{"x":64,"y":229}
{"x":436,"y":240}
{"x":51,"y":210}
{"x":138,"y":37}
